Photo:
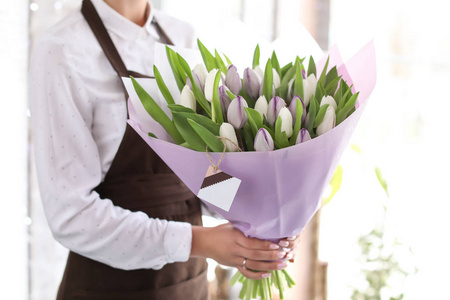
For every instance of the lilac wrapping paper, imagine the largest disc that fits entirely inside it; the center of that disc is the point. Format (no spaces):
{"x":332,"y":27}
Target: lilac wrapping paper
{"x":280,"y":190}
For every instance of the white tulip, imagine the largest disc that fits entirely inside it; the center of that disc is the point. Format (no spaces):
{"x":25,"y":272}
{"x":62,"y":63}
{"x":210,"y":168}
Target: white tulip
{"x":328,"y":100}
{"x":187,"y":98}
{"x":309,"y":88}
{"x":286,"y":121}
{"x":260,"y":72}
{"x":276,"y":79}
{"x":227,"y":131}
{"x":261,"y":106}
{"x":328,"y":122}
{"x":209,"y":84}
{"x":201,"y":72}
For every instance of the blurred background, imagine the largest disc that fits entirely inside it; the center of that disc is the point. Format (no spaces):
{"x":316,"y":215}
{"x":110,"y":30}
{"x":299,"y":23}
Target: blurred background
{"x":382,"y":236}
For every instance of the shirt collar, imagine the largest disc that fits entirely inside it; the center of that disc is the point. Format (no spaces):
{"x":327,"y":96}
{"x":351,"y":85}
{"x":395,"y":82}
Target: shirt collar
{"x":120,"y":25}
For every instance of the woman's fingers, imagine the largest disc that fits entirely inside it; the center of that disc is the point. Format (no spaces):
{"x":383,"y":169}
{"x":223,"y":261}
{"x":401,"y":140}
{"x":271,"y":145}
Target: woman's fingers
{"x":290,"y":242}
{"x":252,"y":243}
{"x":257,"y":265}
{"x":252,"y":274}
{"x":268,"y":255}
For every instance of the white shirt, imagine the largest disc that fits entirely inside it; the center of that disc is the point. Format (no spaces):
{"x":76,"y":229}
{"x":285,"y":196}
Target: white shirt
{"x":78,"y":121}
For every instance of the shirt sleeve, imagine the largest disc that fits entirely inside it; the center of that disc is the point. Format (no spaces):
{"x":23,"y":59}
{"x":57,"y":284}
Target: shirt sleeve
{"x":69,"y":168}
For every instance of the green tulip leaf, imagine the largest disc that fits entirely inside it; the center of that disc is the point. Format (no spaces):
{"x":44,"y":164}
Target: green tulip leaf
{"x":280,"y":136}
{"x":331,"y":87}
{"x":208,"y":59}
{"x":217,"y":115}
{"x":268,"y":81}
{"x":151,"y":134}
{"x":313,"y":107}
{"x":331,"y":75}
{"x":298,"y":121}
{"x":320,"y":115}
{"x":173,"y":61}
{"x":155,"y":111}
{"x":219,"y":62}
{"x":275,"y":63}
{"x":228,"y":60}
{"x":312,"y":67}
{"x":343,"y":113}
{"x":230,"y":94}
{"x":180,"y":108}
{"x":298,"y":82}
{"x":285,"y":69}
{"x":323,"y":75}
{"x":256,"y":55}
{"x":249,"y":137}
{"x":213,"y":142}
{"x":254,"y":119}
{"x":162,"y":86}
{"x":198,"y":93}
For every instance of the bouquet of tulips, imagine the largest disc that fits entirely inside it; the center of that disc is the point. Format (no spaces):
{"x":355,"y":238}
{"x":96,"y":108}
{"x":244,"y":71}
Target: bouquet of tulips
{"x":279,"y":129}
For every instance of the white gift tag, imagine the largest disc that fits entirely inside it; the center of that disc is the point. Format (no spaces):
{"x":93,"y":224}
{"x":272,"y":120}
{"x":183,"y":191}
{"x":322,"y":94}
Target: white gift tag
{"x":219,"y":188}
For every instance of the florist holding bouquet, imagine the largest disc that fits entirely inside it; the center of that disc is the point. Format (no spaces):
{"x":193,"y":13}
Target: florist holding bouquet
{"x":133,"y":229}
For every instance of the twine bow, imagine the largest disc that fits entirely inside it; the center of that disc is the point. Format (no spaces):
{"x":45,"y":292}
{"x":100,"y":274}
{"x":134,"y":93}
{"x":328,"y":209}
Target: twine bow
{"x":216,"y":166}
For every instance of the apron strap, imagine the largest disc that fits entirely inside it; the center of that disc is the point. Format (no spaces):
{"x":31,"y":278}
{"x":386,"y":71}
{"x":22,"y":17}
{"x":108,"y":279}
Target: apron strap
{"x":98,"y":28}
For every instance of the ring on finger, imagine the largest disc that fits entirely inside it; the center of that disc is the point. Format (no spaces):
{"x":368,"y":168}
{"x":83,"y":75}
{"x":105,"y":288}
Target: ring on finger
{"x":244,"y":263}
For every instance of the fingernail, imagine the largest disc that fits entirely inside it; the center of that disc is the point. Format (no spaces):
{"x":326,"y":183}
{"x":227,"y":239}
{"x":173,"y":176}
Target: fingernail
{"x":283,"y":243}
{"x":281,"y":265}
{"x":289,"y":256}
{"x":274,"y":246}
{"x":291,"y":238}
{"x":281,"y":254}
{"x":266,"y":275}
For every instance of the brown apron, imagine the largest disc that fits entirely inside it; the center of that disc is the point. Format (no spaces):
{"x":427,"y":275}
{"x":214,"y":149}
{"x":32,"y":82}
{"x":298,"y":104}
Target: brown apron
{"x":138,"y":180}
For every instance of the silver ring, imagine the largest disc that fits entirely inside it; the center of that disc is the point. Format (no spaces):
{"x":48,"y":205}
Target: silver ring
{"x":243,"y":264}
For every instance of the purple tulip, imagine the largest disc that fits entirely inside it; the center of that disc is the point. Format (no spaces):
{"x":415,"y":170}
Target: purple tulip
{"x":232,"y":80}
{"x":275,"y":105}
{"x":263,"y":141}
{"x":225,"y":100}
{"x":252,"y":83}
{"x":236,"y":114}
{"x":303,"y":136}
{"x":293,"y":108}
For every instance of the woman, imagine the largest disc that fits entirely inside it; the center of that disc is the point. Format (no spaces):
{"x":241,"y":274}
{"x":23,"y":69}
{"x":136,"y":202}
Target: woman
{"x":134,"y":230}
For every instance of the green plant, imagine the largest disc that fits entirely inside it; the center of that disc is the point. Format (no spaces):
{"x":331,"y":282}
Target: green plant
{"x":379,"y":263}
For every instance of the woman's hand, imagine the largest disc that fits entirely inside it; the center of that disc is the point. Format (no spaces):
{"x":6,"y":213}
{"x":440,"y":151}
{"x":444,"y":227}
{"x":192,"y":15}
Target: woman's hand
{"x":229,"y":246}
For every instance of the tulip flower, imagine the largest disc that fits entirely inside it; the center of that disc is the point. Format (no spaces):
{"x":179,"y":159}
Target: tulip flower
{"x":232,"y":80}
{"x":259,"y":71}
{"x":293,"y":108}
{"x":275,"y":105}
{"x":286,"y":121}
{"x":276,"y":79}
{"x":261,"y":106}
{"x":209,"y":84}
{"x":328,"y":100}
{"x":187,"y":98}
{"x":236,"y":114}
{"x":263,"y":141}
{"x":303,"y":136}
{"x":224,"y":98}
{"x":328,"y":122}
{"x":309,"y":88}
{"x":199,"y":72}
{"x":226,"y":131}
{"x":252,"y":83}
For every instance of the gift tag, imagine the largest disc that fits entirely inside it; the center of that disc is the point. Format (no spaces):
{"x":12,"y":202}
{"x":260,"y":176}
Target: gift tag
{"x":219,"y":188}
